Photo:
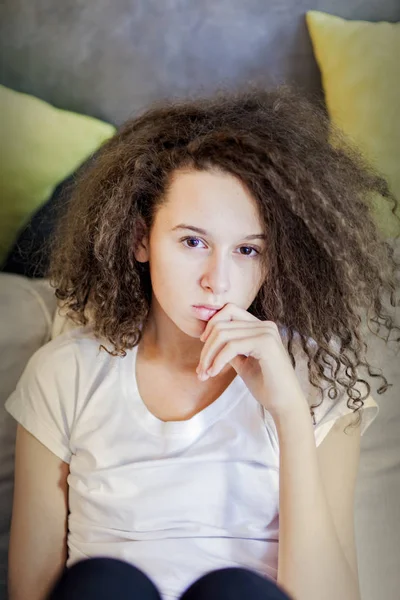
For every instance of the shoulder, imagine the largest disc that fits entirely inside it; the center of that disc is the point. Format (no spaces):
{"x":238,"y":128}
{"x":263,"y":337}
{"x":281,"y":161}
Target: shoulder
{"x":79,"y":341}
{"x":75,"y":351}
{"x":61,"y":375}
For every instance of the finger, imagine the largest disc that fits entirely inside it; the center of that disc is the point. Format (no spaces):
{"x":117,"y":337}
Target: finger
{"x":221,"y":325}
{"x":222,"y":333}
{"x":218,"y":339}
{"x":219,"y":328}
{"x":236,"y":347}
{"x":230,"y":312}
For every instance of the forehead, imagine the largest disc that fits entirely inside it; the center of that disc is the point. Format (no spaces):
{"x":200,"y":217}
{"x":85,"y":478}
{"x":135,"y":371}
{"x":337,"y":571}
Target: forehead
{"x":211,"y":200}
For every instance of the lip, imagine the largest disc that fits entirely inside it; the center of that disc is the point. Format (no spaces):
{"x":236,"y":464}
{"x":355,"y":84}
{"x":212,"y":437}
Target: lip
{"x":208,"y":306}
{"x":204,"y":312}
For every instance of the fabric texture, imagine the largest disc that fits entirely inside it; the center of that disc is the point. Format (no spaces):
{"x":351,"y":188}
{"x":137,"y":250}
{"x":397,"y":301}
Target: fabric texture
{"x":40,"y":146}
{"x":359,"y":63}
{"x":172,"y":498}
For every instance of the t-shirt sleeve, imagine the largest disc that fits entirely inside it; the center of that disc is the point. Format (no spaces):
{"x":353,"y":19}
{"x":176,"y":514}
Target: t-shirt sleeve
{"x":330,"y":410}
{"x":44,"y":399}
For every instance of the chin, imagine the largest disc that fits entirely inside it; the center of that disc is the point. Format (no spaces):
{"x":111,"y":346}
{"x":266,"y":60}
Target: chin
{"x":197,"y":330}
{"x":194,"y":329}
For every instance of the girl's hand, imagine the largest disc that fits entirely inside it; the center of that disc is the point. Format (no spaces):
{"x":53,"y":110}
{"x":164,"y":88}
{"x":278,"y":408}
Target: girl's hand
{"x":255,"y":350}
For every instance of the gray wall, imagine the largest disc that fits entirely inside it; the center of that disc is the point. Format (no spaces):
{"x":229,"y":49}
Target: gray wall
{"x":110,"y":58}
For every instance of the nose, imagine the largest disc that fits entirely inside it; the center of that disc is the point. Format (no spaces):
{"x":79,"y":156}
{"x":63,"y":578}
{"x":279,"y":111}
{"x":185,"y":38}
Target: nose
{"x":216,"y":276}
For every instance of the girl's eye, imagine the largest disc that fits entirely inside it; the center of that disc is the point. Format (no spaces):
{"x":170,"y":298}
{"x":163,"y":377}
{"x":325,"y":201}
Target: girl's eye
{"x":248,"y":250}
{"x":192,"y":242}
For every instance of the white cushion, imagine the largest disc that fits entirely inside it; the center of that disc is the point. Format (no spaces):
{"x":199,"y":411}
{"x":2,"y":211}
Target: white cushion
{"x":377,"y":506}
{"x":27,"y":308}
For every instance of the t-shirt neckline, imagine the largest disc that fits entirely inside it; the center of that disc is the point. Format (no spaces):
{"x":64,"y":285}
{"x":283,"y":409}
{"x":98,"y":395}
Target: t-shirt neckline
{"x":193,"y":426}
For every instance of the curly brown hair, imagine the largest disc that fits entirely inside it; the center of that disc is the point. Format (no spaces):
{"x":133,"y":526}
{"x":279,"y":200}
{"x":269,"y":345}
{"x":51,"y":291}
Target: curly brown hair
{"x":327,"y":261}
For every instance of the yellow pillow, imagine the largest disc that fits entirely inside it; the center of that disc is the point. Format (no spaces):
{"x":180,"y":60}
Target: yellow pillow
{"x":40,"y":146}
{"x":360,"y":69}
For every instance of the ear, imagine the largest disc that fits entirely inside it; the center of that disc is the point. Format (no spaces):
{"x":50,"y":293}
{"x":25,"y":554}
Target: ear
{"x":142,"y":250}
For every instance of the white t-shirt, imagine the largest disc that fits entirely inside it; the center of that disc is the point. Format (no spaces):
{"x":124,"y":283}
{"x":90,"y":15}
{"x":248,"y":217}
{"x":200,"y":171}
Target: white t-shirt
{"x":176,"y":499}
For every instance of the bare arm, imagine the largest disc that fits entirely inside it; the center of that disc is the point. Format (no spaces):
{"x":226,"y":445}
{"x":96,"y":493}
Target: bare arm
{"x":312,"y":563}
{"x":38,"y":546}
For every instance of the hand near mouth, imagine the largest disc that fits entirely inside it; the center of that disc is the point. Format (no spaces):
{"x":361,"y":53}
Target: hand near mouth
{"x":255,"y":350}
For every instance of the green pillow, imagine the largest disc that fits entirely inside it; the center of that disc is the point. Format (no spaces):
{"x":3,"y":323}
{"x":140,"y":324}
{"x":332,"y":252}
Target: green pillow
{"x":40,"y":146}
{"x":359,"y":63}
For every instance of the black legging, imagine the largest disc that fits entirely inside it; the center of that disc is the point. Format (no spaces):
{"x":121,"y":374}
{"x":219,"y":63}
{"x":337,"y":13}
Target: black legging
{"x":109,"y":578}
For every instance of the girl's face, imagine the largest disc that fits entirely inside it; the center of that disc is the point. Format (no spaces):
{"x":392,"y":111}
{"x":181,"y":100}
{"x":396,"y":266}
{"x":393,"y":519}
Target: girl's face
{"x":204,"y":248}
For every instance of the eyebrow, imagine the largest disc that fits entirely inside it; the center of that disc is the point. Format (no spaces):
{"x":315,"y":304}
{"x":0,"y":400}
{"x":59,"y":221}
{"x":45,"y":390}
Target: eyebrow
{"x":255,"y":236}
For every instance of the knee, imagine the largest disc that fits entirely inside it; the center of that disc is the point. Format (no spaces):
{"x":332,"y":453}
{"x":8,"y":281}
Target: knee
{"x":216,"y":584}
{"x":236,"y":574}
{"x":100,"y":568}
{"x":102,"y":577}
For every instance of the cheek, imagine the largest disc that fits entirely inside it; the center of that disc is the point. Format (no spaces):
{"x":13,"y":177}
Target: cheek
{"x":249,"y":279}
{"x":169,"y":269}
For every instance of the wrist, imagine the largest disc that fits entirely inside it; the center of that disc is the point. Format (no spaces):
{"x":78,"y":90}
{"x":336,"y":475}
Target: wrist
{"x":294,"y":415}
